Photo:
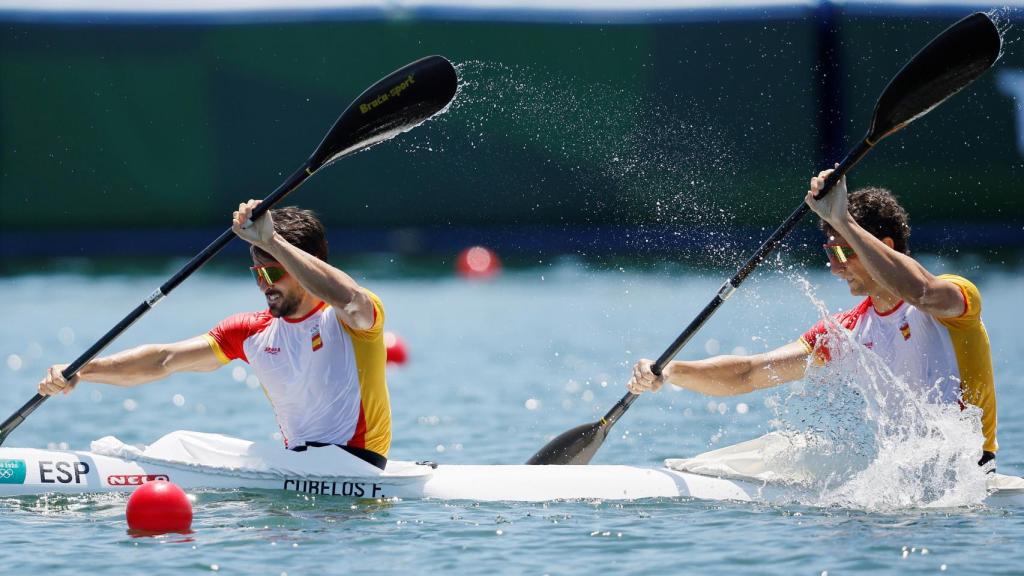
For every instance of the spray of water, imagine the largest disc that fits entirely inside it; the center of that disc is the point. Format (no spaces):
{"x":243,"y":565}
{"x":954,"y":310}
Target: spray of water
{"x":864,"y":438}
{"x":628,"y":159}
{"x":1003,"y":18}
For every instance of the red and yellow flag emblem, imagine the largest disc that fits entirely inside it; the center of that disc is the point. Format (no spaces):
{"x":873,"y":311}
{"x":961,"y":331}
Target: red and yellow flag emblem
{"x":318,"y":342}
{"x":905,"y":330}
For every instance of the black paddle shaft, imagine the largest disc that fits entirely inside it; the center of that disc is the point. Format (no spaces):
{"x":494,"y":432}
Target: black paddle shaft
{"x":737,"y":279}
{"x":293,"y":182}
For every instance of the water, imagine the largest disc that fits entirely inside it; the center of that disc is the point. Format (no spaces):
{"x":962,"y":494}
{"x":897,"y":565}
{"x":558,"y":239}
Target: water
{"x":496,"y":369}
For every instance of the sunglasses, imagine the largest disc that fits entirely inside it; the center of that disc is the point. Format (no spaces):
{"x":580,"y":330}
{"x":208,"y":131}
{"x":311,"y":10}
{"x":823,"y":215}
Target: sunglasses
{"x":267,"y":274}
{"x":838,"y":254}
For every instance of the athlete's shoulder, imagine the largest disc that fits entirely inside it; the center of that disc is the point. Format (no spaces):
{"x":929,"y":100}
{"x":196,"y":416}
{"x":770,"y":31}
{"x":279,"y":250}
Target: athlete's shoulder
{"x":251,"y":322}
{"x":850,"y":318}
{"x":378,"y":305}
{"x":971,"y":296}
{"x":228,"y":337}
{"x":963,"y":283}
{"x":816,"y":338}
{"x":375,"y":330}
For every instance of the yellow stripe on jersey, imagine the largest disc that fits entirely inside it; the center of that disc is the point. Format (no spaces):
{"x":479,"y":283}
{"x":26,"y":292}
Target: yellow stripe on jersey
{"x":216,"y":349}
{"x":974,"y":357}
{"x":371,"y":361}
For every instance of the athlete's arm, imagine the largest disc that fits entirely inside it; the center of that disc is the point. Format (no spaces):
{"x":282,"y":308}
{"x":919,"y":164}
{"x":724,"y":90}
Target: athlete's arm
{"x":896,"y":272}
{"x":726,"y":375}
{"x":137,"y":365}
{"x":350,"y":302}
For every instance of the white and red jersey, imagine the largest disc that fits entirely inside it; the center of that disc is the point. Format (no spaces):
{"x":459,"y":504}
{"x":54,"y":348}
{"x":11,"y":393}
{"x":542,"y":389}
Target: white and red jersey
{"x":948,"y":359}
{"x":325,"y":380}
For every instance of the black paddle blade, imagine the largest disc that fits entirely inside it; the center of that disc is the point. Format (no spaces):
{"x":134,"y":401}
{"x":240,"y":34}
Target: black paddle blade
{"x":577,"y":446}
{"x":947,"y":64}
{"x":399,"y":102}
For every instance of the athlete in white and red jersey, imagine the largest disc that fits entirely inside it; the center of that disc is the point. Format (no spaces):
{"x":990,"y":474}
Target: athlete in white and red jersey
{"x":318,"y":349}
{"x":947,"y":360}
{"x":926,"y":328}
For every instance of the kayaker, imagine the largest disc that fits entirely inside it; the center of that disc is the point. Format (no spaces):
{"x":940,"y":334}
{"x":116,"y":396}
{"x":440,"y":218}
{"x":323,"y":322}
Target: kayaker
{"x":318,"y":349}
{"x":926,"y":328}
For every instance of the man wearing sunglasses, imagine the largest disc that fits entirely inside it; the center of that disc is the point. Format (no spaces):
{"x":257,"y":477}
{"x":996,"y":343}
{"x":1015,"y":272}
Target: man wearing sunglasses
{"x":318,"y":349}
{"x":926,"y":328}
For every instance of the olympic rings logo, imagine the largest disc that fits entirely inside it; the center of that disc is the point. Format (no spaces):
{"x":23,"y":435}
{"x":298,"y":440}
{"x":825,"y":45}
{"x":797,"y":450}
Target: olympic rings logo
{"x":6,"y":473}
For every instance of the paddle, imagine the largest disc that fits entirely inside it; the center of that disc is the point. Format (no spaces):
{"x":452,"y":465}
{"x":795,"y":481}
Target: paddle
{"x":397,"y":103}
{"x":947,"y":64}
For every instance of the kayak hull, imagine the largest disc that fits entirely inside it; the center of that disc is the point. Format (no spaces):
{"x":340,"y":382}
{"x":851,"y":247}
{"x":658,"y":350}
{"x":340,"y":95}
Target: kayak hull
{"x":198,"y":461}
{"x":25,"y":471}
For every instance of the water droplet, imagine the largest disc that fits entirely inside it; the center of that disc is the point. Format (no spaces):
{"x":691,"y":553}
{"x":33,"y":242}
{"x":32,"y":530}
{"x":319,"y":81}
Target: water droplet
{"x":35,"y":351}
{"x":712,"y":346}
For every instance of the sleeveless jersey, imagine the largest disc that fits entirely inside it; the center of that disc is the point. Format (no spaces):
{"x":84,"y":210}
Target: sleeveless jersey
{"x":948,"y":359}
{"x":325,"y":380}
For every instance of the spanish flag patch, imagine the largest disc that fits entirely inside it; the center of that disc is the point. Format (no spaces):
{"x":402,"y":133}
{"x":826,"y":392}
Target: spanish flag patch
{"x":905,"y":330}
{"x":318,"y":342}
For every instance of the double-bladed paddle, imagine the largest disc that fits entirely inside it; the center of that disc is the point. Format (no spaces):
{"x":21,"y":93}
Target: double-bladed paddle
{"x":950,"y":62}
{"x":397,"y":103}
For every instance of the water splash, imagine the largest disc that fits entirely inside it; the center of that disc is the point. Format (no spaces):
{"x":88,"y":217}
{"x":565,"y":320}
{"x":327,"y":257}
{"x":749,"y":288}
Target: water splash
{"x":1003,"y":18}
{"x":865,"y":439}
{"x":628,"y":158}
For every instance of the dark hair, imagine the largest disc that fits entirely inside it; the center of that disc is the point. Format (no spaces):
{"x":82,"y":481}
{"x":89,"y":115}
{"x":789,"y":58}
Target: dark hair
{"x":301,"y":228}
{"x":878,"y":212}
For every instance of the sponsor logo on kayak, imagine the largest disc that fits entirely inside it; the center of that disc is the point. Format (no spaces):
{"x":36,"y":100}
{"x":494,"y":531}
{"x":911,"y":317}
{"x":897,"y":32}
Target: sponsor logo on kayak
{"x":135,"y":479}
{"x":63,"y":472}
{"x":12,"y":471}
{"x":332,"y":488}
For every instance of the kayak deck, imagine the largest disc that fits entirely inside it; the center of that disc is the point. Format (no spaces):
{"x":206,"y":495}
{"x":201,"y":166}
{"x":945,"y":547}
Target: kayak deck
{"x":32,"y":471}
{"x":209,"y":461}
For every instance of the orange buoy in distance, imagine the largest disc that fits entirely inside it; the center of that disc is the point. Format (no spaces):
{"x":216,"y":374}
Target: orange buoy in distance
{"x":477,"y":262}
{"x":159,"y":507}
{"x":396,"y":348}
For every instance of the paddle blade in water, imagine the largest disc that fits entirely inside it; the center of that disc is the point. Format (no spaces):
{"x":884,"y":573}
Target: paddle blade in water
{"x":946,"y":65}
{"x":398,"y":102}
{"x":577,"y":446}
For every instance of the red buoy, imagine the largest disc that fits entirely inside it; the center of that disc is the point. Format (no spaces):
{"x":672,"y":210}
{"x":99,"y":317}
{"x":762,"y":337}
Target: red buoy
{"x":477,"y":262}
{"x":396,"y":348}
{"x":158,"y":507}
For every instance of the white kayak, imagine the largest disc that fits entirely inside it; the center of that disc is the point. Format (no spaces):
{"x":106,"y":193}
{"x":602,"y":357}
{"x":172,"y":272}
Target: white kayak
{"x":195,"y":460}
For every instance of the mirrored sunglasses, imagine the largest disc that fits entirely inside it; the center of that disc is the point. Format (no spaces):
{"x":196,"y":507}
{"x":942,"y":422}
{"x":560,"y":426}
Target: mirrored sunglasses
{"x":267,"y":274}
{"x":838,"y":254}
